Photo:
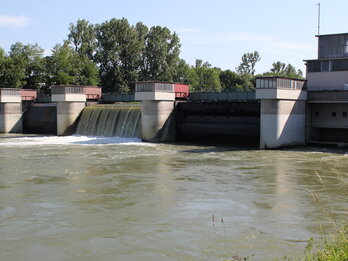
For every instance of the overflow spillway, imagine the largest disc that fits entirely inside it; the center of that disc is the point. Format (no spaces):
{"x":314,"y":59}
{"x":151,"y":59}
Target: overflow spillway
{"x":110,"y":121}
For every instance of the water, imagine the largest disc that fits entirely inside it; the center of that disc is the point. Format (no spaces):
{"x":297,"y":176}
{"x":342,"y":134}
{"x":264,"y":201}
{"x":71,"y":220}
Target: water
{"x":90,"y":198}
{"x":110,"y":121}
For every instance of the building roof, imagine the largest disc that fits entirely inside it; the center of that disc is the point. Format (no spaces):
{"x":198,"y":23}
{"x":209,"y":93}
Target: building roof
{"x":327,"y":59}
{"x":331,"y":34}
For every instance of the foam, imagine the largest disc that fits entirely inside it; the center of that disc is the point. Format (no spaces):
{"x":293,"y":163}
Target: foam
{"x":69,"y":140}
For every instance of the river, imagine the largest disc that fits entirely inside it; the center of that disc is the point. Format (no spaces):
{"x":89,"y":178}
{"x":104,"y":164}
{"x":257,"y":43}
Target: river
{"x":88,"y":198}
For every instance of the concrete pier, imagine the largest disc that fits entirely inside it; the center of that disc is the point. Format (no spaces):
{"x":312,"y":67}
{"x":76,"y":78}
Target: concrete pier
{"x":157,"y":101}
{"x":71,"y":100}
{"x":283,"y":112}
{"x":10,"y":111}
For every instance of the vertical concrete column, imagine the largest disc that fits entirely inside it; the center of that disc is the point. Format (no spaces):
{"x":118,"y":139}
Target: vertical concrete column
{"x":10,"y":111}
{"x":11,"y":117}
{"x":154,"y":116}
{"x":282,"y":123}
{"x":283,"y":111}
{"x":71,"y":100}
{"x":157,"y":108}
{"x":67,"y":113}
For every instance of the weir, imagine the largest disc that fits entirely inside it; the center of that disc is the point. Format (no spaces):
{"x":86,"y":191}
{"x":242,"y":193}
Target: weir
{"x":110,"y":121}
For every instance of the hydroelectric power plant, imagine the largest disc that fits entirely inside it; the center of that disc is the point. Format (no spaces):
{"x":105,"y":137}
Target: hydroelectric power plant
{"x":84,"y":193}
{"x":282,"y":112}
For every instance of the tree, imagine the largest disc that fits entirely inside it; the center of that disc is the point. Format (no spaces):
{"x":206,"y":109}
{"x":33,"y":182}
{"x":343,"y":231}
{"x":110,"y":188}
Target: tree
{"x":83,"y":37}
{"x":278,"y":68}
{"x":118,"y":54}
{"x":183,"y":73}
{"x":229,"y":80}
{"x":66,"y":67}
{"x":247,"y":65}
{"x":161,"y":54}
{"x":23,"y":67}
{"x":283,"y":70}
{"x":204,"y":78}
{"x":248,"y":83}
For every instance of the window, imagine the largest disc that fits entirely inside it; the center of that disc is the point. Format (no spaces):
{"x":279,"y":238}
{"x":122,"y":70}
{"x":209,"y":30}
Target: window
{"x":339,"y":65}
{"x":333,"y":114}
{"x":325,"y":66}
{"x":316,"y":114}
{"x":344,"y":114}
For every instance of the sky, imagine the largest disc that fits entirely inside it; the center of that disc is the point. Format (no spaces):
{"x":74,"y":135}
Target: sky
{"x":218,"y":31}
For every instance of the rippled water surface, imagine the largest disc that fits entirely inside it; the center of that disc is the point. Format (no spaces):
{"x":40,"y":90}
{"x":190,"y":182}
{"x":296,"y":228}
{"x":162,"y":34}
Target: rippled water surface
{"x":85,"y":198}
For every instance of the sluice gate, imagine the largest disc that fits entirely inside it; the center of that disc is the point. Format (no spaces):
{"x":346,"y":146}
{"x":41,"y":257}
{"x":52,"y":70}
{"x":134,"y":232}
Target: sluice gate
{"x":236,"y":123}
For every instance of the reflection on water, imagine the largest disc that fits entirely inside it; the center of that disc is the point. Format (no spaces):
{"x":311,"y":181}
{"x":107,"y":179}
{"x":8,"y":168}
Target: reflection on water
{"x":85,"y":198}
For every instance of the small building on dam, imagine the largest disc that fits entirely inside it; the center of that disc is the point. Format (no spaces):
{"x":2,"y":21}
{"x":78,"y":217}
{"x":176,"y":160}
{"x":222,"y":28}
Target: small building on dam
{"x":282,"y":112}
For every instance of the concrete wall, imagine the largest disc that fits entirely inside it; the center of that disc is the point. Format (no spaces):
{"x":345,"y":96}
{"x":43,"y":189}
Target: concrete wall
{"x":278,"y":93}
{"x":11,"y":118}
{"x":67,"y":113}
{"x":326,"y":115}
{"x":10,"y":98}
{"x":154,"y":116}
{"x":282,"y":123}
{"x":327,"y":80}
{"x":68,"y":97}
{"x":151,"y":96}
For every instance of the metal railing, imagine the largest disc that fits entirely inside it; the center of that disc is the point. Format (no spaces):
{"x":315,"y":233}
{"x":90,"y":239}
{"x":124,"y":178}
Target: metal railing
{"x":222,"y":96}
{"x":118,"y":97}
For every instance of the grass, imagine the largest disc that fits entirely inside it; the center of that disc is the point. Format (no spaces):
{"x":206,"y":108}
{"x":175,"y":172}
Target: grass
{"x":334,"y":249}
{"x":335,"y":246}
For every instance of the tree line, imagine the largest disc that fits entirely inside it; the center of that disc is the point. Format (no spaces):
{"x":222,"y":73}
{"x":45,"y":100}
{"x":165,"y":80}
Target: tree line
{"x":116,"y":54}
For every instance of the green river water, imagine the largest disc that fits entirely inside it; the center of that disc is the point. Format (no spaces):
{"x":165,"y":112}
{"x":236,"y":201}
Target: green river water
{"x":85,"y":198}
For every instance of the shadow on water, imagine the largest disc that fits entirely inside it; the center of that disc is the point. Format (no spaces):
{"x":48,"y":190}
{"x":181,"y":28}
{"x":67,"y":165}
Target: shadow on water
{"x":206,"y":148}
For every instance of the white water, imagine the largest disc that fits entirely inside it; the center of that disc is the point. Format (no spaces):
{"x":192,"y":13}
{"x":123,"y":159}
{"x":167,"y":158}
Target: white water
{"x":13,"y":141}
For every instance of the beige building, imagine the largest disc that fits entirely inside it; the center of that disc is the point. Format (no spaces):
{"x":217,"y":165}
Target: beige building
{"x":327,"y":85}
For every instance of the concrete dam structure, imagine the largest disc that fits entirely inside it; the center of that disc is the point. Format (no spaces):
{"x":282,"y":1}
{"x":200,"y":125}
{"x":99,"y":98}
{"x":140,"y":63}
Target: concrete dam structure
{"x":163,"y":116}
{"x":282,"y":112}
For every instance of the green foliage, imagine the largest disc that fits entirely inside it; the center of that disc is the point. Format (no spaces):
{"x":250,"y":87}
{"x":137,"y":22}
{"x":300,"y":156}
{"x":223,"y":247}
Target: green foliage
{"x":66,"y":67}
{"x":83,"y":37}
{"x":118,"y":54}
{"x":248,"y":83}
{"x":247,"y":65}
{"x":229,"y":80}
{"x":161,"y":54}
{"x":203,"y":78}
{"x":126,"y":54}
{"x":283,"y":70}
{"x":183,"y":73}
{"x":23,"y":67}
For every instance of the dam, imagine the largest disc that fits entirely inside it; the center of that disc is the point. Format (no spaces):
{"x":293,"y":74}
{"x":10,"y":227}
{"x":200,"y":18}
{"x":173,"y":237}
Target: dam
{"x":281,"y":112}
{"x":160,"y":113}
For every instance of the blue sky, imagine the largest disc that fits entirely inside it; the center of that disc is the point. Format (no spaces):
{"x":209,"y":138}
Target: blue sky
{"x":219,"y":31}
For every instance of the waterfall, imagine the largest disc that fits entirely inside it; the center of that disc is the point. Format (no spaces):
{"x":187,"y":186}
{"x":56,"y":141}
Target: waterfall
{"x":110,"y":121}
